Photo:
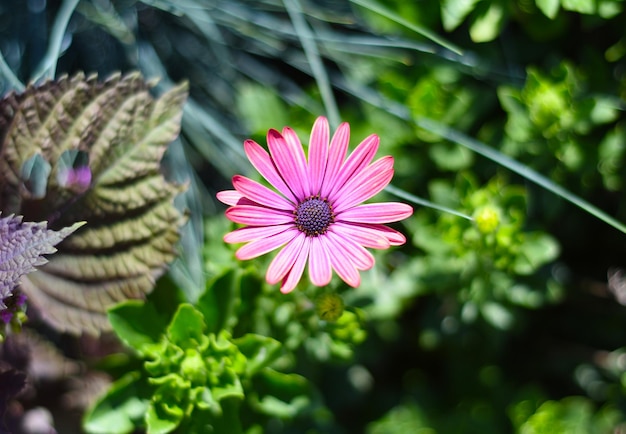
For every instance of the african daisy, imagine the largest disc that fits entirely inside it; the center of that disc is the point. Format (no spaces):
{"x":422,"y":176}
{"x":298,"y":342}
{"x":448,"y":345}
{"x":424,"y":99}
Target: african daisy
{"x":317,"y":212}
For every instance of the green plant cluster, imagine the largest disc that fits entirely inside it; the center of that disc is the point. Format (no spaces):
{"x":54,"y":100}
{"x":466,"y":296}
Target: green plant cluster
{"x":201,"y":369}
{"x":503,"y":312}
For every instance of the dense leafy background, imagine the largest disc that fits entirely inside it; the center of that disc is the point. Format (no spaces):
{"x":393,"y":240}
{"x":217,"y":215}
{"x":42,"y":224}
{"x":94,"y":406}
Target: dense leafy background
{"x":502,"y":324}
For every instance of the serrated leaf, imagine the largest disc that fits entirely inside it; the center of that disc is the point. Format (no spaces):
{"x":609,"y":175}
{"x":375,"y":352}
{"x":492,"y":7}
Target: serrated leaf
{"x":104,"y":142}
{"x":22,"y":248}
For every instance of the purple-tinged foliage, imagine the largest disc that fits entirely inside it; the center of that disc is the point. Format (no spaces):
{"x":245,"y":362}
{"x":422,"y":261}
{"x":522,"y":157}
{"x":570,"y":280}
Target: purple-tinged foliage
{"x":22,"y":246}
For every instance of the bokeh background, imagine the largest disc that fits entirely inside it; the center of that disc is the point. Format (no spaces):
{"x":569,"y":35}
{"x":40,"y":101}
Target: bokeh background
{"x":511,"y":322}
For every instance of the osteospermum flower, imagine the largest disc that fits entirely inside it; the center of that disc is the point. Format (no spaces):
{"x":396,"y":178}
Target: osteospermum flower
{"x":317,"y":212}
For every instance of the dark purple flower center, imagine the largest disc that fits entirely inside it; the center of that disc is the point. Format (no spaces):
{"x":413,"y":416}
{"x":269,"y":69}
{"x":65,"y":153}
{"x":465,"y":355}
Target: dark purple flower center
{"x":313,"y":216}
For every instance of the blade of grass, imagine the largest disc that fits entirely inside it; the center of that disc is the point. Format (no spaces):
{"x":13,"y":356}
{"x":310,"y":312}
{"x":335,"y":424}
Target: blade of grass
{"x":313,"y":57}
{"x":11,"y":80}
{"x":48,"y":65}
{"x":380,"y":10}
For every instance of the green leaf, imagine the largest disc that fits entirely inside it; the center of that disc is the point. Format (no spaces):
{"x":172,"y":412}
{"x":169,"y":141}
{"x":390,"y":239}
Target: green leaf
{"x":498,"y":315}
{"x":582,"y":6}
{"x":250,"y":98}
{"x":187,"y":327}
{"x":453,"y":12}
{"x":121,"y":409}
{"x":120,"y":131}
{"x":549,"y":7}
{"x":164,"y":415}
{"x":402,"y":419}
{"x":259,"y":350}
{"x":449,"y":156}
{"x":220,"y":298}
{"x":137,"y":323}
{"x":486,"y":27}
{"x":571,"y":415}
{"x":537,"y":249}
{"x":280,"y":395}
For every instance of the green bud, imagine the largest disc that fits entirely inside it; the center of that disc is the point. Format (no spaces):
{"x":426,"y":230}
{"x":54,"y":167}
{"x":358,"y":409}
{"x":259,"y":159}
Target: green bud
{"x":329,"y":307}
{"x":487,"y":219}
{"x":193,"y":367}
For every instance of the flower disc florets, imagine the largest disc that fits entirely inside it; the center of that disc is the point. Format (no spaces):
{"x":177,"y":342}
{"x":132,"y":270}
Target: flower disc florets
{"x":313,"y":216}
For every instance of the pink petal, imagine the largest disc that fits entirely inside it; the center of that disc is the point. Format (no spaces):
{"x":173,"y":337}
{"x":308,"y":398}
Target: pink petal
{"x":288,"y":155}
{"x":365,"y":185}
{"x":265,"y":245}
{"x":284,"y":260}
{"x":365,"y":236}
{"x":318,"y":154}
{"x":229,"y":197}
{"x":360,"y":158}
{"x":294,"y":275}
{"x":383,"y":212}
{"x":251,"y":233}
{"x":358,"y":255}
{"x":320,"y":271}
{"x":394,"y":237}
{"x":263,"y":163}
{"x":343,"y":266}
{"x":336,"y":154}
{"x":258,"y":216}
{"x":261,"y":194}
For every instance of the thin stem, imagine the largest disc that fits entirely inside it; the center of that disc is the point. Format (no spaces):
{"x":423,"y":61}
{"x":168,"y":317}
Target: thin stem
{"x":423,"y":202}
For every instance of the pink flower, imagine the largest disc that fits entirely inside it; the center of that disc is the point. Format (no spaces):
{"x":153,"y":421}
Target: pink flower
{"x":317,"y":212}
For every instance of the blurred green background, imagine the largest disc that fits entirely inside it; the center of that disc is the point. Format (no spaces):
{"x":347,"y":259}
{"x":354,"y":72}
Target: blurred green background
{"x":510,"y":322}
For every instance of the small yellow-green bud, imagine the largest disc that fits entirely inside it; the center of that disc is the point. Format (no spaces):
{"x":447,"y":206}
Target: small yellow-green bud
{"x":487,"y":219}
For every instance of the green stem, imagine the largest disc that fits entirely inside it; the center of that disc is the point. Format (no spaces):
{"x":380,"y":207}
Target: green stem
{"x":423,"y":202}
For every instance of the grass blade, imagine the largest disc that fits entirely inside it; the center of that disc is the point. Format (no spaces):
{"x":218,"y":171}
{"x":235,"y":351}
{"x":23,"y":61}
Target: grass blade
{"x":375,"y":7}
{"x":48,"y":65}
{"x":313,"y":56}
